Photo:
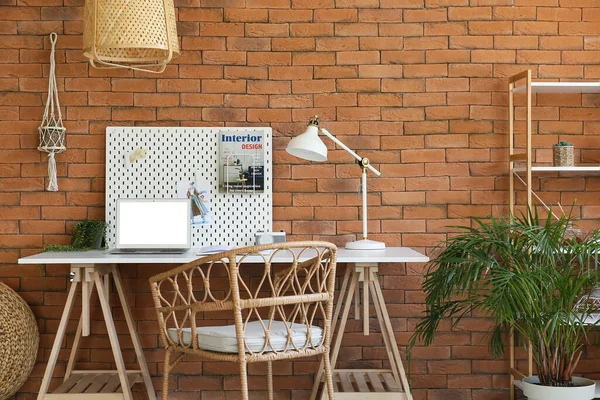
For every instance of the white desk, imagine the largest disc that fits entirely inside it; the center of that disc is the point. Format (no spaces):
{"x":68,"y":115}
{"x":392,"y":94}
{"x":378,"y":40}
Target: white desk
{"x":390,"y":254}
{"x":95,"y":269}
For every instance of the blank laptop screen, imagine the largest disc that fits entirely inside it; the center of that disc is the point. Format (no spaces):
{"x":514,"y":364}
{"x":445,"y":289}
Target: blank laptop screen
{"x":153,"y":223}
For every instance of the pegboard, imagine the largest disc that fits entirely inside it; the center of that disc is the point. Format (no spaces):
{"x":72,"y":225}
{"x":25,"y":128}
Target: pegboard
{"x":173,"y":155}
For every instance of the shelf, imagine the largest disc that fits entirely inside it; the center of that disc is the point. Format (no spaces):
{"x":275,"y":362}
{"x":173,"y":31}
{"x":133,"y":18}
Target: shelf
{"x":549,"y":168}
{"x":100,"y":385}
{"x":523,"y":156}
{"x":365,"y":385}
{"x":561,"y":87}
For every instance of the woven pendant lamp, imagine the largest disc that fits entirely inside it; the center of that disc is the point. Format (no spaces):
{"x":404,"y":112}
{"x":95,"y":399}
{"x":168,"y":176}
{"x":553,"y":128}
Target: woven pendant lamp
{"x":135,"y":34}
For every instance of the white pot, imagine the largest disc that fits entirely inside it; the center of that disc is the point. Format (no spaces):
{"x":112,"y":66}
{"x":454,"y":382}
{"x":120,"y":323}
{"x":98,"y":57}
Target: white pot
{"x":585,"y":390}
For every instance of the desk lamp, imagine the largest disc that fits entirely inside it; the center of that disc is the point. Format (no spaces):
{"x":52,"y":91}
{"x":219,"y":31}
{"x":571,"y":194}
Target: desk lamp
{"x":309,"y":146}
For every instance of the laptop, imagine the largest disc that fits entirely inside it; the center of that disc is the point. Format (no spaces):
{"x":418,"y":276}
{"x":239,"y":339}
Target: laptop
{"x":153,"y":226}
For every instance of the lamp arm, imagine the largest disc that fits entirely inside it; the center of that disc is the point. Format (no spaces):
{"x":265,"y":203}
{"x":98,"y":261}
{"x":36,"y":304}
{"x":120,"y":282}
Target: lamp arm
{"x":349,"y":150}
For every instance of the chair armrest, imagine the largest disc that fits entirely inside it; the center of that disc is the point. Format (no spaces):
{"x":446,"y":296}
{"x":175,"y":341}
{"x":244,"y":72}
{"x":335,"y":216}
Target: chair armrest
{"x":183,"y":292}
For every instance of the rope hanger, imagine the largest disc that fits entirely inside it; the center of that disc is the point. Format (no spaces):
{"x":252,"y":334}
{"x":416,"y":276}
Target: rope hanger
{"x":52,"y":131}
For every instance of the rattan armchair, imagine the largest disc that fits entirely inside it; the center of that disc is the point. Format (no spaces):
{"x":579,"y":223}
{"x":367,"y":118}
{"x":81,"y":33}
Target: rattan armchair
{"x":274,"y":313}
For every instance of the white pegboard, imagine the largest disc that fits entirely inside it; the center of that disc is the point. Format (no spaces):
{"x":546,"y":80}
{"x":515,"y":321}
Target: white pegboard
{"x":175,"y":154}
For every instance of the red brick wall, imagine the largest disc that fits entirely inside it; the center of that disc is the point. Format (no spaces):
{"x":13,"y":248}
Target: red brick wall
{"x":418,"y":86}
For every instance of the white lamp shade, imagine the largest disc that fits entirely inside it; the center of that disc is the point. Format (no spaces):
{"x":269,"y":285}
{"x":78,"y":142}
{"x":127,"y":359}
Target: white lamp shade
{"x":308,"y":145}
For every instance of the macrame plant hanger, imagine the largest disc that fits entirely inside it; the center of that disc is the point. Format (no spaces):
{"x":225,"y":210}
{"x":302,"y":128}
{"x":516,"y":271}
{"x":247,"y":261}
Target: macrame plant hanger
{"x":52,"y":131}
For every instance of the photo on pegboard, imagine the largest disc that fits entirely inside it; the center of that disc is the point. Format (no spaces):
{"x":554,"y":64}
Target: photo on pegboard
{"x":199,"y":194}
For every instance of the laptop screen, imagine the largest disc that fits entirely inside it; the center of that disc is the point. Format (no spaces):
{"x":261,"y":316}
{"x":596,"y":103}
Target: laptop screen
{"x":153,"y":223}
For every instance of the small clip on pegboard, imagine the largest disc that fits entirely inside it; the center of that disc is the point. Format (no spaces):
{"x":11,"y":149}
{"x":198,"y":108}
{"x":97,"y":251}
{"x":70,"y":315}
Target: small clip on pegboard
{"x":52,"y":131}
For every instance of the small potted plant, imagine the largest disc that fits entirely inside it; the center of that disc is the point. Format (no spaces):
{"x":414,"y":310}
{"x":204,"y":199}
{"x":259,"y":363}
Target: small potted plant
{"x":563,"y":154}
{"x":87,"y":235}
{"x":528,"y":274}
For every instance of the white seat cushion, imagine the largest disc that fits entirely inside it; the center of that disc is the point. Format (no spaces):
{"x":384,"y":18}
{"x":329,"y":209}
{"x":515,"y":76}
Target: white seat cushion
{"x":222,"y":338}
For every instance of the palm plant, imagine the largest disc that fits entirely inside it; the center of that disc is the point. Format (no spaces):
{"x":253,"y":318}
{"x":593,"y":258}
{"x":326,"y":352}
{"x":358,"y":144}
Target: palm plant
{"x":526,"y":273}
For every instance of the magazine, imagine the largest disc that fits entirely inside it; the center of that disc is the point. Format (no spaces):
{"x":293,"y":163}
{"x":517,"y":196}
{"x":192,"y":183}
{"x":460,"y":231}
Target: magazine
{"x":241,"y":162}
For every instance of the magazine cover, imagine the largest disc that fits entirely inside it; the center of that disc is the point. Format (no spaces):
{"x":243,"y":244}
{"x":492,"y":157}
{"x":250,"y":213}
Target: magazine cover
{"x":241,"y":162}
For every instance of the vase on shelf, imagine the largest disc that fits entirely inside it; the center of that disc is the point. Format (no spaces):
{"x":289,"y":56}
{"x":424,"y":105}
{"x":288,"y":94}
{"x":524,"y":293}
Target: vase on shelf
{"x":563,"y":154}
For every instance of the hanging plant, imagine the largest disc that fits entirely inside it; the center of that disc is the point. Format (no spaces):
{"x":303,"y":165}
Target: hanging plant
{"x":52,"y":131}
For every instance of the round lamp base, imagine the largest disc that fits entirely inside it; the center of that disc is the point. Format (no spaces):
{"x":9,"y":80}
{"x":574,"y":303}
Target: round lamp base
{"x":365,"y":244}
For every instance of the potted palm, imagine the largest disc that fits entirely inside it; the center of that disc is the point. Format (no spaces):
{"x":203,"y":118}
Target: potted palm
{"x":528,"y":273}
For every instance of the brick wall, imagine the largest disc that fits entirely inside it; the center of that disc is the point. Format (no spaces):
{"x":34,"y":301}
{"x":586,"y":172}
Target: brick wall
{"x":418,"y":86}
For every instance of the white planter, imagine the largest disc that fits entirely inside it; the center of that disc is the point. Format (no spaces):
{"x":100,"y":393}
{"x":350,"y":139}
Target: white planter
{"x":585,"y":390}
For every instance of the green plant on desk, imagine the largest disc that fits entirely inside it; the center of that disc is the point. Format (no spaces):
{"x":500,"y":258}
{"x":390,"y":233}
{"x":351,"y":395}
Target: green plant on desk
{"x":87,"y":235}
{"x":525,"y":273}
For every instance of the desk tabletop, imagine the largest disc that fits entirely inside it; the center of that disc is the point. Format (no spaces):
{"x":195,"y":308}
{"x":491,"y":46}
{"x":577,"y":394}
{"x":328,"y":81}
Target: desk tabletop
{"x":389,"y":254}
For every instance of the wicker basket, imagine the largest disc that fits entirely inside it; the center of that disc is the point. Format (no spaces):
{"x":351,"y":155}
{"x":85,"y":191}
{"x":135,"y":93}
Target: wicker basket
{"x":19,"y":339}
{"x":563,"y":156}
{"x":136,"y":34}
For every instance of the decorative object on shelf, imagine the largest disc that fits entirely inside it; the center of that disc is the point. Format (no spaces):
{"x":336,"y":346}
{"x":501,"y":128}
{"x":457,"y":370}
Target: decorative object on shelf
{"x":563,"y":154}
{"x":527,"y":274}
{"x":19,"y":344}
{"x":52,"y":131}
{"x":135,"y":34}
{"x":309,"y":146}
{"x":88,"y":235}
